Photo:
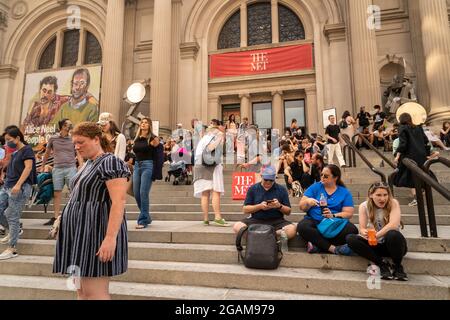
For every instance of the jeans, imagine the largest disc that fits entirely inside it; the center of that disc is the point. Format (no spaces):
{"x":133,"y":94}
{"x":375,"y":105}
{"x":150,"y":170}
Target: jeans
{"x":11,"y":207}
{"x":142,"y":183}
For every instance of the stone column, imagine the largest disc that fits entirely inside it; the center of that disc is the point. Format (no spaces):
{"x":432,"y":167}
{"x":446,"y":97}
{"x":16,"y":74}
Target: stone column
{"x":419,"y":59}
{"x":312,"y":112}
{"x":244,"y":34}
{"x":277,"y":110}
{"x":58,"y":49}
{"x":366,"y":76}
{"x":81,"y":47}
{"x":176,"y":39}
{"x":436,"y":45}
{"x":213,"y":109}
{"x":246,"y":107}
{"x":275,"y":24}
{"x":161,"y":59}
{"x":3,"y":28}
{"x":111,"y":96}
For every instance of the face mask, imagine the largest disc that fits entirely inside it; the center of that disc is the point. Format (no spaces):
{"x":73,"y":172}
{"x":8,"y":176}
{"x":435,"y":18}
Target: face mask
{"x":11,"y":144}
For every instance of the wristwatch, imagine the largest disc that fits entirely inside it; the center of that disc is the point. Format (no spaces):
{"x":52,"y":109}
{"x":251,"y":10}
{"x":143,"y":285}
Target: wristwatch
{"x":334,"y":216}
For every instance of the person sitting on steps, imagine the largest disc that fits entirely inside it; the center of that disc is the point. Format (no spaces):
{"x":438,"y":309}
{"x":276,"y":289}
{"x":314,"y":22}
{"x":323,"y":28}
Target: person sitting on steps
{"x":267,"y":203}
{"x":382,"y":213}
{"x":339,"y":205}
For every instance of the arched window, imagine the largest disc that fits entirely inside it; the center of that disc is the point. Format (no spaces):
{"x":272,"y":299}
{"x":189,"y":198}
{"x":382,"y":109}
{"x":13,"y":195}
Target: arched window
{"x":70,"y":48}
{"x":259,"y":26}
{"x":71,"y":44}
{"x":291,"y":28}
{"x":93,"y":52}
{"x":230,"y":35}
{"x":48,"y":56}
{"x":259,"y":23}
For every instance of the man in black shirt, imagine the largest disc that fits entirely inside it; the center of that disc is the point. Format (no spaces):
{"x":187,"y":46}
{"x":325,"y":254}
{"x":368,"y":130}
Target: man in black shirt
{"x":379,"y":118}
{"x":332,"y":135}
{"x":363,"y":119}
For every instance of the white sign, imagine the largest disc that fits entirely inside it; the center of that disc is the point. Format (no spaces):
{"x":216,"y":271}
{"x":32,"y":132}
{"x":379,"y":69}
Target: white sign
{"x":325,"y":114}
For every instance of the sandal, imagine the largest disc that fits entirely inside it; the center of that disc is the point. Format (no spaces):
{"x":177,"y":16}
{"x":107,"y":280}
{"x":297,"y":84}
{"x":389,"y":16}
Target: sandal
{"x":140,"y":226}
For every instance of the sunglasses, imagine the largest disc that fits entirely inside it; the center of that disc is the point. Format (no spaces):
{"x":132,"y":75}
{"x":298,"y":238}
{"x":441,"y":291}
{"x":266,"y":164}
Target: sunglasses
{"x":377,"y":185}
{"x":326,"y":176}
{"x":270,"y":181}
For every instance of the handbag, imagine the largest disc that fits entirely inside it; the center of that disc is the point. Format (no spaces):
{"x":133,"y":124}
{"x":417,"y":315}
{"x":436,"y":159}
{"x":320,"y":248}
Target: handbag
{"x":209,"y":158}
{"x":130,"y":187}
{"x":331,"y":227}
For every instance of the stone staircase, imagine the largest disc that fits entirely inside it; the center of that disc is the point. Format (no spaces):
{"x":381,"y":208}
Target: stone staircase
{"x":178,"y":258}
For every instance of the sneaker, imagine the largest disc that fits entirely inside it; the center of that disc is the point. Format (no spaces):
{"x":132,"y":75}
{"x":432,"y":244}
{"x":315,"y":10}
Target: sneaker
{"x":343,"y":250}
{"x":310,"y":248}
{"x":206,"y":223}
{"x":399,"y":274}
{"x":221,"y":222}
{"x":50,"y":222}
{"x":8,"y":254}
{"x":385,"y":272}
{"x":413,"y":203}
{"x":2,"y":232}
{"x":5,"y":240}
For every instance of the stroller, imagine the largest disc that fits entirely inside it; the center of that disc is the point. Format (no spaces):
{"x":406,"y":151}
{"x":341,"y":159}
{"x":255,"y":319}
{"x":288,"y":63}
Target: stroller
{"x":179,"y":172}
{"x":43,"y":191}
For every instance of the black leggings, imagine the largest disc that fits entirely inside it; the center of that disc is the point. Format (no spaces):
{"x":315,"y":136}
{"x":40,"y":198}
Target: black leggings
{"x":394,"y":246}
{"x":307,"y":229}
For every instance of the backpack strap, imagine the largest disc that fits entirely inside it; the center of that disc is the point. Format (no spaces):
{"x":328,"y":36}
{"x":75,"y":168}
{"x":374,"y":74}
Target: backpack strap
{"x":239,"y":242}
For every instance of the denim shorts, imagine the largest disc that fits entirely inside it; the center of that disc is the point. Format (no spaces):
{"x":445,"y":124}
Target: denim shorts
{"x":62,"y":176}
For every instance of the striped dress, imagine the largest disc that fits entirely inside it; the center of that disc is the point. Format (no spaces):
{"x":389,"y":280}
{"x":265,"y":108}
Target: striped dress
{"x":84,"y":222}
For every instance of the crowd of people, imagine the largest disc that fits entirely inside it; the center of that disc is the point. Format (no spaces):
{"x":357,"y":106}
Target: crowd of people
{"x":97,"y":165}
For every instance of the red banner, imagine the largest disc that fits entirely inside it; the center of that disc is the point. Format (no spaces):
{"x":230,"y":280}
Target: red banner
{"x":283,"y":59}
{"x":240,"y":184}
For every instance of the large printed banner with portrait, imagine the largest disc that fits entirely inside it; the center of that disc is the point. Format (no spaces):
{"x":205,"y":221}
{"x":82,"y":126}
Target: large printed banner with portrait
{"x":55,"y":95}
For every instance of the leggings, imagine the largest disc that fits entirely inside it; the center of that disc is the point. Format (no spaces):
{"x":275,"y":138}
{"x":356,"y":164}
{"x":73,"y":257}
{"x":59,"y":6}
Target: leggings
{"x":307,"y":229}
{"x":394,"y":246}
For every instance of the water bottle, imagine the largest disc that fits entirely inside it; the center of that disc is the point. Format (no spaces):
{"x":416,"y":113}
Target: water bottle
{"x":284,"y":241}
{"x":372,"y":235}
{"x":323,"y":202}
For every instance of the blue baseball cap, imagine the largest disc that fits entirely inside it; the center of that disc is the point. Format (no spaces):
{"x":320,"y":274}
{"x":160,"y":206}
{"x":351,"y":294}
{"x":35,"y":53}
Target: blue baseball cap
{"x":269,"y":173}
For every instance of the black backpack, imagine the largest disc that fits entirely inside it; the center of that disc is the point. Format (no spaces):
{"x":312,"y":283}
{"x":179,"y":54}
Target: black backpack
{"x":262,"y":251}
{"x":343,"y":124}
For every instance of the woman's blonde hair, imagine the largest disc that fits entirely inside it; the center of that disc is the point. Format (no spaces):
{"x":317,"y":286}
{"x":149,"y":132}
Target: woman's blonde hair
{"x":371,"y":207}
{"x":150,"y":130}
{"x":91,"y":130}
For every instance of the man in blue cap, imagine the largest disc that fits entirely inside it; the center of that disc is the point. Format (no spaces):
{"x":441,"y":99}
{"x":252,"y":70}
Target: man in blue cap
{"x":267,"y":203}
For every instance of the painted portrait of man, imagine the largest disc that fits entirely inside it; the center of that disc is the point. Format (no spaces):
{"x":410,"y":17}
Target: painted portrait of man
{"x":81,"y":106}
{"x":44,"y":110}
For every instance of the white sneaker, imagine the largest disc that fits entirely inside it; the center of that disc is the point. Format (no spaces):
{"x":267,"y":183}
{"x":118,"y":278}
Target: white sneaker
{"x":8,"y":254}
{"x":5,"y":240}
{"x":413,"y":203}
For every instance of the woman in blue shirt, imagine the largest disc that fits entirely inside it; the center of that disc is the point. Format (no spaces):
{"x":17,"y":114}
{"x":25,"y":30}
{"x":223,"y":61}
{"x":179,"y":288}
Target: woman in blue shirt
{"x":339,"y":205}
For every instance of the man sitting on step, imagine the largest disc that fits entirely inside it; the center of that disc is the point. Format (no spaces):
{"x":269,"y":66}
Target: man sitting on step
{"x":267,"y":202}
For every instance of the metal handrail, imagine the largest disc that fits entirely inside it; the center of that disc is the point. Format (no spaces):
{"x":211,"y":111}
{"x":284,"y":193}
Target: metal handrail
{"x":352,"y":146}
{"x":423,"y":180}
{"x":372,"y":147}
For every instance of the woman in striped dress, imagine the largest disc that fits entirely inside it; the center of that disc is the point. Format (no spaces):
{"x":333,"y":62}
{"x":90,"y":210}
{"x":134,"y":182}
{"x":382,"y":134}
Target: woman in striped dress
{"x":92,"y":243}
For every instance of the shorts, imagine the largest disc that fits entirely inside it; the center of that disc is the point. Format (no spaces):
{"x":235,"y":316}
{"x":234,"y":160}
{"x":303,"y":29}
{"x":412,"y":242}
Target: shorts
{"x":62,"y":176}
{"x":277,"y":223}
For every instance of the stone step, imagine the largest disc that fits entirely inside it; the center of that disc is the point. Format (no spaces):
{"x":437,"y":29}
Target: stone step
{"x":55,"y":288}
{"x":414,"y":262}
{"x":194,"y":232}
{"x":291,"y":280}
{"x":407,"y":219}
{"x":163,"y":198}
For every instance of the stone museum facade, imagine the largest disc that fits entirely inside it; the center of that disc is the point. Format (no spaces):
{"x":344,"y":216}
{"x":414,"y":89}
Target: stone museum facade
{"x":270,"y":60}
